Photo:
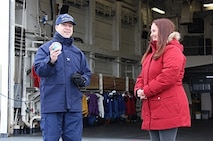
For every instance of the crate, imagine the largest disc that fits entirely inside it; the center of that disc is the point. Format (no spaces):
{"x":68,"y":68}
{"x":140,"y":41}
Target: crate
{"x":205,"y":114}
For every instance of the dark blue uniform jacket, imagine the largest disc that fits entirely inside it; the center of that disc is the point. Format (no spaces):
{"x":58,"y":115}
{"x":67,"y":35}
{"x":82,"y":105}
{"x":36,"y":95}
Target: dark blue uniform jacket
{"x":57,"y":92}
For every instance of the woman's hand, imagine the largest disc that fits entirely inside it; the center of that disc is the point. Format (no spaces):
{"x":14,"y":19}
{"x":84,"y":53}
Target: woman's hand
{"x":140,"y":94}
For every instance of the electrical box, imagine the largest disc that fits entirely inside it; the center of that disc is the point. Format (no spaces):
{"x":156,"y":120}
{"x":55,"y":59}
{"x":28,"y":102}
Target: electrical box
{"x":17,"y":95}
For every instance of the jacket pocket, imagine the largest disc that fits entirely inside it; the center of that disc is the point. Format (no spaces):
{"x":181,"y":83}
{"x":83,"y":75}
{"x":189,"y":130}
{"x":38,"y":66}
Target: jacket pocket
{"x":162,"y":108}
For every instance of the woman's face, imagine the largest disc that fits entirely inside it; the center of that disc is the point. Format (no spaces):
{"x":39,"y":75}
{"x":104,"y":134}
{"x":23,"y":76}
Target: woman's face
{"x":154,"y":32}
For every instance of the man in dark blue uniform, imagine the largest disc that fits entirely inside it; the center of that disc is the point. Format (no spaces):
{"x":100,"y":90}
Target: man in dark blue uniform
{"x":63,"y":69}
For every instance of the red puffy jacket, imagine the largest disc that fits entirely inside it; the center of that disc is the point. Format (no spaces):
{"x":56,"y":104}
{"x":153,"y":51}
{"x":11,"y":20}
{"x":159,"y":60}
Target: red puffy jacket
{"x":166,"y":105}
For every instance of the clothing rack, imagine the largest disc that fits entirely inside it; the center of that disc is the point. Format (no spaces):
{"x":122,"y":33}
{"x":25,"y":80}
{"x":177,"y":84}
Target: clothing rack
{"x":102,"y":83}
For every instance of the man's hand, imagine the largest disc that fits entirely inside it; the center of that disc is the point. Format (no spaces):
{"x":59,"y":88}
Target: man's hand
{"x":78,"y":80}
{"x":55,"y":50}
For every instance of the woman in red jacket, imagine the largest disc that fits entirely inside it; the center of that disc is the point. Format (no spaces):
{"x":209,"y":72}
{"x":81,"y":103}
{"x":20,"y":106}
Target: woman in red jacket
{"x":164,"y":102}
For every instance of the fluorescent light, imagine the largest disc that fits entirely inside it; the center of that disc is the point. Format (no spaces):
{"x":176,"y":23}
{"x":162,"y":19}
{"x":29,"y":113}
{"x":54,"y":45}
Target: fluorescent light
{"x":158,"y":10}
{"x":209,"y":76}
{"x":208,"y":5}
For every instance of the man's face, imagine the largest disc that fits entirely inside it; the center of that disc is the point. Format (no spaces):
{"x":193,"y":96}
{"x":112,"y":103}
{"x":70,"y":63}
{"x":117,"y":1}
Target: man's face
{"x":65,"y":29}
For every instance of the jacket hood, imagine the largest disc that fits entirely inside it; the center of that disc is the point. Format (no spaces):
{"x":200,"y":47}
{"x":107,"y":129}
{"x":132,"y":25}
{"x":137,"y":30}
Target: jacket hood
{"x":174,"y":35}
{"x":173,"y":39}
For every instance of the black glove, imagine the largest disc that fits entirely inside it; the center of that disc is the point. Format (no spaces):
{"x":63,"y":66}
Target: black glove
{"x":78,"y":80}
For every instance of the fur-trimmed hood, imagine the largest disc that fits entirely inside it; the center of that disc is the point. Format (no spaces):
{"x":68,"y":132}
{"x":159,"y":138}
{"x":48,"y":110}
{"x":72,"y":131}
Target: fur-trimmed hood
{"x":173,"y":39}
{"x":174,"y":35}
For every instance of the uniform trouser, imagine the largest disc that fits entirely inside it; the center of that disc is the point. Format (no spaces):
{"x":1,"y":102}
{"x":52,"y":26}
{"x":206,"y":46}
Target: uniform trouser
{"x":67,"y":125}
{"x":163,"y":135}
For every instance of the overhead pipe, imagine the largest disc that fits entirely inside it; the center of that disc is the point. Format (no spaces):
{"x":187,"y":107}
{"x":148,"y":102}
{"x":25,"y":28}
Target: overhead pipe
{"x":11,"y":66}
{"x":33,"y":49}
{"x":24,"y":95}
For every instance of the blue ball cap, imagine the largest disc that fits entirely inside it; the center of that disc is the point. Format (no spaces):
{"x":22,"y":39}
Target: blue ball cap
{"x":63,"y":18}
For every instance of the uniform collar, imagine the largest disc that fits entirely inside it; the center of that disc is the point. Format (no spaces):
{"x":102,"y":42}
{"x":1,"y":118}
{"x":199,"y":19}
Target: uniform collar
{"x":65,"y":41}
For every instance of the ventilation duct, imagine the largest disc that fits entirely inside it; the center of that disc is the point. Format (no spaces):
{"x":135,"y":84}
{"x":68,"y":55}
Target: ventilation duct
{"x":186,"y":14}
